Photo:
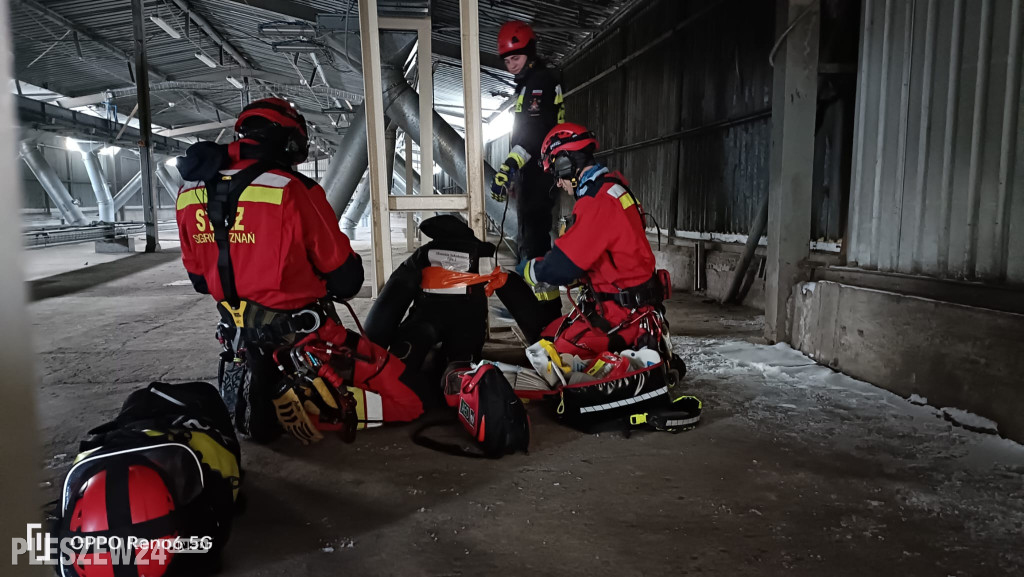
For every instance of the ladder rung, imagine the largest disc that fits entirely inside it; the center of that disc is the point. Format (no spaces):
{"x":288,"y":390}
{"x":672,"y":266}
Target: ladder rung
{"x":426,"y":203}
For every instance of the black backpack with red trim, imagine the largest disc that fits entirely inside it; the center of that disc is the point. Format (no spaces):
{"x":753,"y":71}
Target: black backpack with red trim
{"x":488,"y":409}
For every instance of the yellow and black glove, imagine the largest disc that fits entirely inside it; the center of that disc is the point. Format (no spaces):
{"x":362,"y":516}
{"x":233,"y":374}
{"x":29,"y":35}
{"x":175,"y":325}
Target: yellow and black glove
{"x":294,"y":418}
{"x":515,"y":162}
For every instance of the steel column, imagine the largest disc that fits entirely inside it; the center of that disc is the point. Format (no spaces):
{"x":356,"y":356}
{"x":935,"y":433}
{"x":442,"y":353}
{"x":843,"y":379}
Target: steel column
{"x":100,"y":188}
{"x":794,"y":104}
{"x":149,"y":201}
{"x":51,"y":183}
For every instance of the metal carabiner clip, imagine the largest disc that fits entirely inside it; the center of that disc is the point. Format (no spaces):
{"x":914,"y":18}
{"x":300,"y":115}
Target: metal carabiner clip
{"x":316,"y":320}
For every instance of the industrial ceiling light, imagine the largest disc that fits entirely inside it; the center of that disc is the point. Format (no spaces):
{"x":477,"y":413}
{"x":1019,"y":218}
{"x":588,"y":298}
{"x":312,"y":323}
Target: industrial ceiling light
{"x":206,"y":60}
{"x":71,"y":144}
{"x":165,"y":26}
{"x":234,"y":82}
{"x":286,"y":29}
{"x":295,"y":46}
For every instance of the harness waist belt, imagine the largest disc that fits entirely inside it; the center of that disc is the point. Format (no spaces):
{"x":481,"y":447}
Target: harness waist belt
{"x":649,"y":293}
{"x":260,"y":323}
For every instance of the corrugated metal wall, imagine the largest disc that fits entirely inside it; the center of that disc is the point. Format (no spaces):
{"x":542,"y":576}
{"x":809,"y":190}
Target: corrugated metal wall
{"x":937,"y":181}
{"x":688,"y":121}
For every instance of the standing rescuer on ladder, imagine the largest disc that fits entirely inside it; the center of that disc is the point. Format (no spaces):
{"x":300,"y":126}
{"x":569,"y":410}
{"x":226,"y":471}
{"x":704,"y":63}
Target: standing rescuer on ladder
{"x":538,"y":109}
{"x":262,"y":240}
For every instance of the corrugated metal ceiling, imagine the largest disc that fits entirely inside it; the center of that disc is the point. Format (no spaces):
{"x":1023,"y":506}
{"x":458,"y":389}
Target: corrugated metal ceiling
{"x":46,"y":54}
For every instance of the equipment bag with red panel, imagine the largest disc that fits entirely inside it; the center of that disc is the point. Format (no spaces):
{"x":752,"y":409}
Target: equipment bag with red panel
{"x":487,"y":408}
{"x":161,"y":478}
{"x":615,"y":394}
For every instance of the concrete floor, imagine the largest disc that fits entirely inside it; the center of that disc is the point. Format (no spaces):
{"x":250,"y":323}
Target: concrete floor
{"x":784,"y":477}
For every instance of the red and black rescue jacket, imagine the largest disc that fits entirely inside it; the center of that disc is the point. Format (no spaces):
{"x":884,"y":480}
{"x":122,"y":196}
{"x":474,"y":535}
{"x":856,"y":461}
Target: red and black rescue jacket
{"x":287,"y":249}
{"x":605,"y":242}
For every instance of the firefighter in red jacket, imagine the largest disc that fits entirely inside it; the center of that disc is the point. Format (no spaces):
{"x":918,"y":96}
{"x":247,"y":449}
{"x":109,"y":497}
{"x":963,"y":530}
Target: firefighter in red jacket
{"x":262,"y":240}
{"x":604,"y":248}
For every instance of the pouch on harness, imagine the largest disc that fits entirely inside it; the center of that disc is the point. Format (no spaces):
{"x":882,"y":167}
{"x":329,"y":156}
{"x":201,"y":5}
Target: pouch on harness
{"x":167,"y":467}
{"x":487,"y":408}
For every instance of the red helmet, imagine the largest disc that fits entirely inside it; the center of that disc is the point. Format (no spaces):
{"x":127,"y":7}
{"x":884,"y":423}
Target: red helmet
{"x":281,"y":113}
{"x":563,"y":139}
{"x":148,"y":501}
{"x":516,"y":37}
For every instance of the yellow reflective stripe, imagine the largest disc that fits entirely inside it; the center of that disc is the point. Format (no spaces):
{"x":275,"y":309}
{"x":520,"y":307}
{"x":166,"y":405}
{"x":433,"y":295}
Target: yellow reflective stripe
{"x":262,"y":194}
{"x":626,"y":200}
{"x":519,"y":101}
{"x":190,"y":197}
{"x":265,"y":194}
{"x":559,"y":103}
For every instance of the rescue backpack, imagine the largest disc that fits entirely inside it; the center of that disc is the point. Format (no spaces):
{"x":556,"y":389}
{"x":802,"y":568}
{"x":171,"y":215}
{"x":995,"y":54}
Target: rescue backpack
{"x":487,"y":408}
{"x":167,"y":468}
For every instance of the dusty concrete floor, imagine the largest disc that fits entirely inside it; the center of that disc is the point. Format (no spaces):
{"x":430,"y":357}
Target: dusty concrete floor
{"x":836,"y":488}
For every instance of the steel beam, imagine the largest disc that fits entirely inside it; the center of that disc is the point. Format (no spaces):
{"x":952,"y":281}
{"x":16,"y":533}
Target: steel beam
{"x":794,"y":104}
{"x":100,"y":188}
{"x":52,"y":184}
{"x":212,"y":32}
{"x":37,"y":115}
{"x":196,"y":128}
{"x":149,"y":200}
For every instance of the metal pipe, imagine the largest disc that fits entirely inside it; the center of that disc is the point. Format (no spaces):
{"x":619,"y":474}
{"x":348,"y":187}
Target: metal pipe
{"x":100,"y":188}
{"x":680,"y":134}
{"x":401,"y":172}
{"x":753,"y":238}
{"x":880,"y":156}
{"x":52,"y":184}
{"x":977,"y":140}
{"x":130,"y":189}
{"x":168,"y":184}
{"x":949,"y":138}
{"x":449,"y":152}
{"x":1007,"y":147}
{"x":348,"y":164}
{"x":853,"y":254}
{"x":357,"y":208}
{"x":924,"y":138}
{"x":390,"y":142}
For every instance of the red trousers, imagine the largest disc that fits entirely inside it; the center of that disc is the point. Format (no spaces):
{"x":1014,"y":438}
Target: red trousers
{"x":375,"y":371}
{"x":580,"y":336}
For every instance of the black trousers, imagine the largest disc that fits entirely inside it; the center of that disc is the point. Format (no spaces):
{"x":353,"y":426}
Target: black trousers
{"x":534,"y":204}
{"x":458,"y":323}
